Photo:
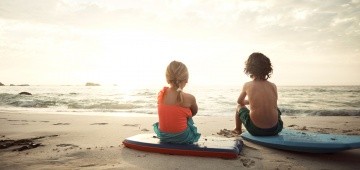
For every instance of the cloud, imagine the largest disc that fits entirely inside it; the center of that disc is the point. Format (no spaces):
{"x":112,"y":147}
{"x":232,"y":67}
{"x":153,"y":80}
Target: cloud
{"x":39,"y":10}
{"x":293,"y":20}
{"x":291,"y":30}
{"x":196,"y":17}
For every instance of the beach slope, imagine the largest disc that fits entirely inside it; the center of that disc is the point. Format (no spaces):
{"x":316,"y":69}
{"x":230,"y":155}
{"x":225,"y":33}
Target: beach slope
{"x":60,"y":141}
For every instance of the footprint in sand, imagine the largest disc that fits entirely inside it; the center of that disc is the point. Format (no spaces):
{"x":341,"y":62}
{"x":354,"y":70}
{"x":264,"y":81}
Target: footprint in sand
{"x":247,"y":162}
{"x":145,"y":130}
{"x":302,"y":128}
{"x":351,"y":132}
{"x":133,"y":125}
{"x":61,"y":124}
{"x":227,"y":133}
{"x":66,"y":145}
{"x":20,"y":144}
{"x":292,"y":125}
{"x":99,"y":124}
{"x":285,"y":166}
{"x":87,"y":165}
{"x":19,"y":124}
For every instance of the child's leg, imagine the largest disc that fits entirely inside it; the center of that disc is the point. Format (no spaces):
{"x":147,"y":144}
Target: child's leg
{"x":238,"y":122}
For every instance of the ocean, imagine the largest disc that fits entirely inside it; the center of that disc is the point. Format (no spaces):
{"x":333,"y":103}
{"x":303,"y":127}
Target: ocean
{"x":219,"y":101}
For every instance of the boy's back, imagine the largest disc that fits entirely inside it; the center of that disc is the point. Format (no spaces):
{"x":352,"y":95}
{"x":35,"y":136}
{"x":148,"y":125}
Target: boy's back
{"x":263,"y":116}
{"x":262,"y":97}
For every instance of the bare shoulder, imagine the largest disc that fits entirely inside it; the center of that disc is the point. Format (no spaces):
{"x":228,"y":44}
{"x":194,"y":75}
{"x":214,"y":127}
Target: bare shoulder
{"x":189,"y":97}
{"x":273,"y":85}
{"x":247,"y":85}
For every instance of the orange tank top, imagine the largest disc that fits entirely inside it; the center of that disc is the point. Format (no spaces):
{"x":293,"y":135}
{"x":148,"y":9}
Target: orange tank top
{"x":172,"y":118}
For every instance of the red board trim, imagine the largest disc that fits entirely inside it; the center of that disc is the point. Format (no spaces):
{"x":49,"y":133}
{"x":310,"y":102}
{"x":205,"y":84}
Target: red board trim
{"x":225,"y":155}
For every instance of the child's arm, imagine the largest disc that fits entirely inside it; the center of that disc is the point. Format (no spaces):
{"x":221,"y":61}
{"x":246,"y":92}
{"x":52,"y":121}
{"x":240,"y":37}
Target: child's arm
{"x":193,"y":107}
{"x":241,"y":100}
{"x":275,"y":91}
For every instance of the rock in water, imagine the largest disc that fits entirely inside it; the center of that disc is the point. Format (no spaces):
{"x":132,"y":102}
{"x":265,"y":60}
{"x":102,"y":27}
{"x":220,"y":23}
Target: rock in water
{"x":25,"y":93}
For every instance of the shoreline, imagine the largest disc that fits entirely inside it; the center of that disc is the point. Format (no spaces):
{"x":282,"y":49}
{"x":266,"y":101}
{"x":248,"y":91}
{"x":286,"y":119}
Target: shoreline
{"x":88,"y":141}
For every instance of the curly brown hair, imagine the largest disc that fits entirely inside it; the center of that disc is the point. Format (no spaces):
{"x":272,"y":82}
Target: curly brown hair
{"x":258,"y":66}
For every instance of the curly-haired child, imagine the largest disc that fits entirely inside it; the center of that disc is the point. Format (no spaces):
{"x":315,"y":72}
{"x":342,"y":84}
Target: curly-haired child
{"x":263,"y":116}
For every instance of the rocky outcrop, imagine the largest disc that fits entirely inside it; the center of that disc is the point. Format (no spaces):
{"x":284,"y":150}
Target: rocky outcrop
{"x":91,"y":84}
{"x":1,"y":84}
{"x":19,"y":85}
{"x":25,"y":93}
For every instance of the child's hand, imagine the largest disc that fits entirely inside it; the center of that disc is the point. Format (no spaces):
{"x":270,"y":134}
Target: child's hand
{"x":246,"y":102}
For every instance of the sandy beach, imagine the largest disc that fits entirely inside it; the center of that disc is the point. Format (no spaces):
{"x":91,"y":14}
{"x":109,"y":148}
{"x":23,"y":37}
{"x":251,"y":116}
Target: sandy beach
{"x":60,"y":141}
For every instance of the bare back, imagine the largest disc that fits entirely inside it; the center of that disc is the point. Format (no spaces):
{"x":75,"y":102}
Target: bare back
{"x":262,"y":97}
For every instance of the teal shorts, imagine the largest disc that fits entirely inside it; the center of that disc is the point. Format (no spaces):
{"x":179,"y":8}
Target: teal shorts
{"x":256,"y":131}
{"x":188,"y":136}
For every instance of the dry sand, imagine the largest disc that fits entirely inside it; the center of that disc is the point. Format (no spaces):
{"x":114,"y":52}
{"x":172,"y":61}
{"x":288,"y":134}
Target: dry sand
{"x":56,"y":141}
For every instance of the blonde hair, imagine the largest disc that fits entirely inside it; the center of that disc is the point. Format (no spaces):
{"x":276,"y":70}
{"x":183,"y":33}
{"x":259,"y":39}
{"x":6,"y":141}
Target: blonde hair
{"x":176,"y":73}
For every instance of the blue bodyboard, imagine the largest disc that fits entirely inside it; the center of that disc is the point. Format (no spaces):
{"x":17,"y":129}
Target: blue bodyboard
{"x":300,"y":141}
{"x":206,"y":146}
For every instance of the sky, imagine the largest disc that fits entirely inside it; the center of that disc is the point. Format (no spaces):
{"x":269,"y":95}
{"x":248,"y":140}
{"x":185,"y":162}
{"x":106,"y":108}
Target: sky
{"x":130,"y":42}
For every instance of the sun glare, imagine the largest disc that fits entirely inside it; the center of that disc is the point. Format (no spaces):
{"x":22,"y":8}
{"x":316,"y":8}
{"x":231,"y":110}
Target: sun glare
{"x":131,"y":59}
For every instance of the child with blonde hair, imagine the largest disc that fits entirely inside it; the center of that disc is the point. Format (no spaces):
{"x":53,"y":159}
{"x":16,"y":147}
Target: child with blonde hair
{"x":176,"y":108}
{"x":263,"y":117}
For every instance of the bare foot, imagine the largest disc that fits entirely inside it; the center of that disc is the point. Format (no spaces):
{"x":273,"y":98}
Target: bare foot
{"x":237,"y":131}
{"x":227,"y":133}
